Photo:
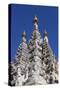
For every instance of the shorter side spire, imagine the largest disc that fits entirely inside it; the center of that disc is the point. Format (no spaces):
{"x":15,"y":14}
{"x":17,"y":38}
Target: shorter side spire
{"x":46,"y":36}
{"x":45,"y":33}
{"x":24,"y":37}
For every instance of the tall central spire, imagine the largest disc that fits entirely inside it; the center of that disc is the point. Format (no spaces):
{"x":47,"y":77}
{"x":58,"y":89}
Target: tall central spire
{"x":35,"y":21}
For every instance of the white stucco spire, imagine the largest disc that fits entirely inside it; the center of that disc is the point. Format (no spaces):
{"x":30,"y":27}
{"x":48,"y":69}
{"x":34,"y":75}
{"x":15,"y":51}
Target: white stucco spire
{"x":35,"y":21}
{"x":46,"y":36}
{"x":24,"y":37}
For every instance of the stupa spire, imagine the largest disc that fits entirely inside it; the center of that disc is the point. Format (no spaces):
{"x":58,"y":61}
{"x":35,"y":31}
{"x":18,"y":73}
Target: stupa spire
{"x":45,"y":33}
{"x":24,"y":37}
{"x":35,"y":21}
{"x":46,"y":36}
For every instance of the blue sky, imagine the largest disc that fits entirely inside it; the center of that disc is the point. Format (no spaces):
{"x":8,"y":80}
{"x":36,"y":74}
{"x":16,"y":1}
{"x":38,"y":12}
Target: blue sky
{"x":22,"y":20}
